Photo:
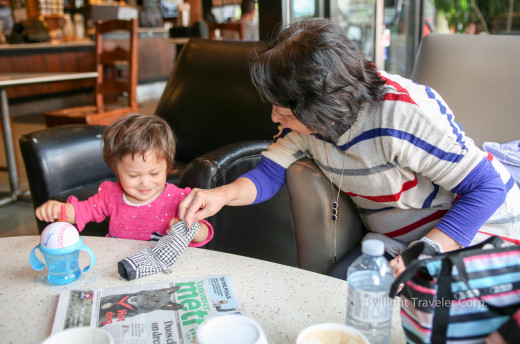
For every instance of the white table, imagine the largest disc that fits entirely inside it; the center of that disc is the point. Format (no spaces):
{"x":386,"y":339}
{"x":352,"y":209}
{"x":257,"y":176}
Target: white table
{"x":22,"y":79}
{"x":284,"y":300}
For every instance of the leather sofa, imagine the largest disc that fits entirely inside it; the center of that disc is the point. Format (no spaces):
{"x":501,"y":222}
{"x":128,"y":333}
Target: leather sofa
{"x":63,"y":161}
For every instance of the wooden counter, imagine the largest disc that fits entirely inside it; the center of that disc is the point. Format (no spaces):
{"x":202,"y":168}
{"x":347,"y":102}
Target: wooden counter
{"x":48,"y":58}
{"x":156,"y":59}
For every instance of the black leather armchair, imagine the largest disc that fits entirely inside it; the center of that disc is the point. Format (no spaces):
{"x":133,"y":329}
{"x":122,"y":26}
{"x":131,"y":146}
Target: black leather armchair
{"x":264,"y":230}
{"x":222,"y":125}
{"x":64,"y":161}
{"x":210,"y":101}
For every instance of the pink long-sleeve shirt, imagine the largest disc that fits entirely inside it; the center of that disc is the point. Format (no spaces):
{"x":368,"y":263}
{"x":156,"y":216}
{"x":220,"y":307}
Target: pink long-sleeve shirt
{"x":129,"y":221}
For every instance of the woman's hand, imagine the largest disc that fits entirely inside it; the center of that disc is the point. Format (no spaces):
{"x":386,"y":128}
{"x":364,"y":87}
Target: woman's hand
{"x":397,"y":265}
{"x":201,"y":234}
{"x":201,"y":203}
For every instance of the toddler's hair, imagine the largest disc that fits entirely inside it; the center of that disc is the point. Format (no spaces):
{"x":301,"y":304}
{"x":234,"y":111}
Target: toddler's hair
{"x":137,"y":134}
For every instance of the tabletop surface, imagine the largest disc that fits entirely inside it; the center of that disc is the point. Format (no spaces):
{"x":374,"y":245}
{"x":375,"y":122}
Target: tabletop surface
{"x":283,"y":299}
{"x":14,"y":79}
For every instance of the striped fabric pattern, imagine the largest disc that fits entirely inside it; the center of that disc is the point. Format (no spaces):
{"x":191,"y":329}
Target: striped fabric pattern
{"x":404,"y":156}
{"x":494,"y":279}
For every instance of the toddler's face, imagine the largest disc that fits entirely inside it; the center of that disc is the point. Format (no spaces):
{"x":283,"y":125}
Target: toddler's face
{"x":142,"y":179}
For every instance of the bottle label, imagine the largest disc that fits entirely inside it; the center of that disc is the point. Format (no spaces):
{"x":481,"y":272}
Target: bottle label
{"x":372,"y":306}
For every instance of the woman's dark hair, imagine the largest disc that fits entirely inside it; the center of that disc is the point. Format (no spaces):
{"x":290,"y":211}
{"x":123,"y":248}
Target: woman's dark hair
{"x":313,"y":69}
{"x":136,"y":134}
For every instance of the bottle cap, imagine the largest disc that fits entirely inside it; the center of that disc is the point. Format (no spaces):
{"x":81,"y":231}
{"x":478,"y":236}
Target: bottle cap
{"x":373,"y":247}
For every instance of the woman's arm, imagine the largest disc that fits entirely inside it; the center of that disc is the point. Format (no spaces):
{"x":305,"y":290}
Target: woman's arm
{"x":202,"y":203}
{"x":255,"y":186}
{"x":480,"y":195}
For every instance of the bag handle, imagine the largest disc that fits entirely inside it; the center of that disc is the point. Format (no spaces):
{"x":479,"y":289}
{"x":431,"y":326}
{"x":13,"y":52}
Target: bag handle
{"x":441,"y":313}
{"x":496,"y":241}
{"x":412,"y":261}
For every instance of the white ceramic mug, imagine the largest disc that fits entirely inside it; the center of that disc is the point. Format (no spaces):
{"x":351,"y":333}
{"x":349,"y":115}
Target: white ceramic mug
{"x":331,"y":333}
{"x":80,"y":335}
{"x":230,"y":329}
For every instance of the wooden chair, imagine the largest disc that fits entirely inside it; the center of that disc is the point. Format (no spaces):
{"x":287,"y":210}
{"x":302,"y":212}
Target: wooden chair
{"x":234,"y":29}
{"x":116,"y":63}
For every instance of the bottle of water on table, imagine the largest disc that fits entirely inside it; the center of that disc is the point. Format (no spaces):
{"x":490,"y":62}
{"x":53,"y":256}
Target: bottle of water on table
{"x":369,"y":309}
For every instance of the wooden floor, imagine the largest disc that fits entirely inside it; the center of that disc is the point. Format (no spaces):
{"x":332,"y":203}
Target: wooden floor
{"x":18,"y":219}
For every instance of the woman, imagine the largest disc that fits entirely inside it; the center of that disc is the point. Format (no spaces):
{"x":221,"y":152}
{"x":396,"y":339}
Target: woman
{"x":390,"y":144}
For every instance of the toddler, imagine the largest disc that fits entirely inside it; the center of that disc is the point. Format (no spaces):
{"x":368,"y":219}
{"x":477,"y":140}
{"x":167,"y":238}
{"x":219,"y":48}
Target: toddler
{"x":140,"y":150}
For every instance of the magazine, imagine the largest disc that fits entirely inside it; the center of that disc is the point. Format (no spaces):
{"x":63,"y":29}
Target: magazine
{"x":166,"y":312}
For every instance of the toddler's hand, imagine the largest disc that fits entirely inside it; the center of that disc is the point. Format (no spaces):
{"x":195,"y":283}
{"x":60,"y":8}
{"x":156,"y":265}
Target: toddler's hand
{"x":49,"y":211}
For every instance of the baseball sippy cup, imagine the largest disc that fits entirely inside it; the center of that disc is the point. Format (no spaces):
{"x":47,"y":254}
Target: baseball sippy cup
{"x":60,"y":244}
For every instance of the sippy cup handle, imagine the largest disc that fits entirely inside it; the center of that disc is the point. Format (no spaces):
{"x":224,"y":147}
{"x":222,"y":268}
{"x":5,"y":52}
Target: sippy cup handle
{"x":92,"y":257}
{"x":36,"y":264}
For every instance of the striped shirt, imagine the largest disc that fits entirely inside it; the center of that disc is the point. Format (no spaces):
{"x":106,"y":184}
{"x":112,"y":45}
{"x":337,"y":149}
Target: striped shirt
{"x":407,"y":163}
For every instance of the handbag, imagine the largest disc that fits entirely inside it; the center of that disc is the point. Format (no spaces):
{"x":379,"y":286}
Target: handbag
{"x":458,"y":296}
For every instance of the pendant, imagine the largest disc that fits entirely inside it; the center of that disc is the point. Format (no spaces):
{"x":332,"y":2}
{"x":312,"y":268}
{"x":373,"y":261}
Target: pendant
{"x":334,"y":211}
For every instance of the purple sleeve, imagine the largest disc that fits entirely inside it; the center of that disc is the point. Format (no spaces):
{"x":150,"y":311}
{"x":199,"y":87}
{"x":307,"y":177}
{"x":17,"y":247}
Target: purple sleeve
{"x":268,"y":177}
{"x":481,"y":193}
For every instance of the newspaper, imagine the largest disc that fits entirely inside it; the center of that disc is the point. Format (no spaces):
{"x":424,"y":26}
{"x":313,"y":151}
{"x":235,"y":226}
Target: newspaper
{"x":167,"y":312}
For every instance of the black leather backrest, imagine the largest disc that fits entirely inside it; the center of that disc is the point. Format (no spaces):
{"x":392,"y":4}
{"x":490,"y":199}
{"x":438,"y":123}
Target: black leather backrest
{"x":210,"y":100}
{"x":63,"y":158}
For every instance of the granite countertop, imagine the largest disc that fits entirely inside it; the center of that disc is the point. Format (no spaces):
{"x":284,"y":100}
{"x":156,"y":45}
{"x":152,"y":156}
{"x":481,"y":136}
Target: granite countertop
{"x":283,"y":299}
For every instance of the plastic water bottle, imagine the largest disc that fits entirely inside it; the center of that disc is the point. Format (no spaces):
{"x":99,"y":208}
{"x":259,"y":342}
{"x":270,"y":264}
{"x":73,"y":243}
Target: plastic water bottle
{"x":369,"y":309}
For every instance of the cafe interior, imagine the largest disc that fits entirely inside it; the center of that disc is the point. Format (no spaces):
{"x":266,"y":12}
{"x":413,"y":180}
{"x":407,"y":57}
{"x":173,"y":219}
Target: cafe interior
{"x":70,"y":68}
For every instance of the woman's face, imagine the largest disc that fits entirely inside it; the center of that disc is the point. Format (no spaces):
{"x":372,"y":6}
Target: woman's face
{"x":142,"y":179}
{"x":286,"y":118}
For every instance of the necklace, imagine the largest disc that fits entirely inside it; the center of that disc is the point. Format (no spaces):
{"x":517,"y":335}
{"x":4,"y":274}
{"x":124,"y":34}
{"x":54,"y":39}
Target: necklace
{"x":335,"y":203}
